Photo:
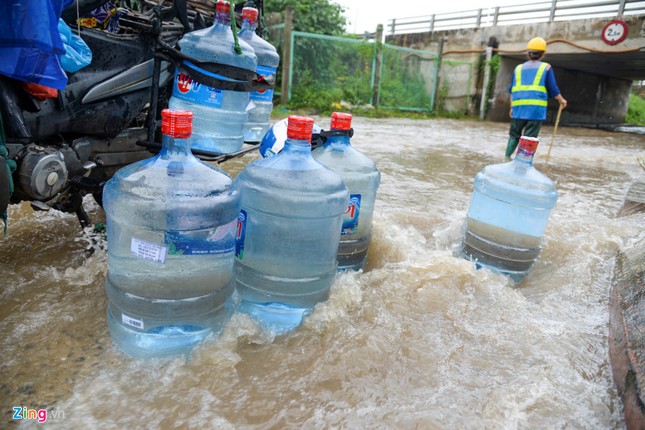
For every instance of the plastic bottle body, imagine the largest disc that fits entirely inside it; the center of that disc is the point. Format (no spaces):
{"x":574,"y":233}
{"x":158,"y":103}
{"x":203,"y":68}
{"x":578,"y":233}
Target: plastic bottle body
{"x":287,"y":236}
{"x":362,"y":179}
{"x":171,"y":234}
{"x":261,"y":103}
{"x":508,"y":213}
{"x":219,"y":115}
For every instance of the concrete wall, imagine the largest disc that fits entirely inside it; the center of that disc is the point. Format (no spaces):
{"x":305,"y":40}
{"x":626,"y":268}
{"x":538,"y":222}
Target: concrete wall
{"x":582,"y":64}
{"x":592,"y":99}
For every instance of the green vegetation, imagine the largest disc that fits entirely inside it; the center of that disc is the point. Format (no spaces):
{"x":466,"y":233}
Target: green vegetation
{"x":636,"y":110}
{"x":331,"y":74}
{"x":312,"y":16}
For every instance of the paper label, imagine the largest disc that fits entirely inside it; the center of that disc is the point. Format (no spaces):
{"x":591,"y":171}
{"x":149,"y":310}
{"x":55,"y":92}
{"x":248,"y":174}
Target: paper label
{"x":132,"y":321}
{"x":240,"y":233}
{"x":350,"y":219}
{"x":192,"y":91}
{"x":148,"y":251}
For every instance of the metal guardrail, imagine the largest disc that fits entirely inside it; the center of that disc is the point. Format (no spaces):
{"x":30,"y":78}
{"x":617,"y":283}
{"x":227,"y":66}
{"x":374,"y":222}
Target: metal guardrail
{"x":541,"y":11}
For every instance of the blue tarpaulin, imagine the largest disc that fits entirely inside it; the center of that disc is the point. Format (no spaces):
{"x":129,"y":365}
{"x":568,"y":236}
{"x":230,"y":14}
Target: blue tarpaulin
{"x":30,"y":44}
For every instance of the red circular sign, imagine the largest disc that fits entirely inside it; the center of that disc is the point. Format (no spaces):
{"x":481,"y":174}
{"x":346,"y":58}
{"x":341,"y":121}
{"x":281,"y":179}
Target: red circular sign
{"x":614,"y":32}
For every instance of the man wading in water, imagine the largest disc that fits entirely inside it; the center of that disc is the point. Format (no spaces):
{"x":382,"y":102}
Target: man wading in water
{"x":533,"y":83}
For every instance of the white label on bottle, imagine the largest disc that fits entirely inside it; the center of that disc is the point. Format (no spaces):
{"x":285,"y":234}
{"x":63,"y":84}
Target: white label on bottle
{"x":131,"y":321}
{"x":148,"y":251}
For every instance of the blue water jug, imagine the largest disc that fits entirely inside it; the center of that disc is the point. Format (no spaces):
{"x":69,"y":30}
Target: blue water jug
{"x":219,"y":115}
{"x":508,"y":214}
{"x":171,"y":247}
{"x":261,"y":102}
{"x":362,"y":178}
{"x":288,"y":232}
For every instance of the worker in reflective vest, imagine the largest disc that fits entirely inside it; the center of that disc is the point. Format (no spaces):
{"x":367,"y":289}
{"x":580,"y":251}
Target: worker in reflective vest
{"x":533,"y":83}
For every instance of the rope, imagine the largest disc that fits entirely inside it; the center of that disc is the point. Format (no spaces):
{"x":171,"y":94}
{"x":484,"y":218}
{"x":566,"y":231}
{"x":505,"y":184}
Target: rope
{"x":550,"y":41}
{"x":237,"y":48}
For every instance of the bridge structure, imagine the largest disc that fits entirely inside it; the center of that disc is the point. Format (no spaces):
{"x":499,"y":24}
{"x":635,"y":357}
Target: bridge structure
{"x":597,"y":50}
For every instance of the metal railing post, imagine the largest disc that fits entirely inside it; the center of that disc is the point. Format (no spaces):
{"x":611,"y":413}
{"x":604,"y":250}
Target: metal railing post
{"x":479,"y":18}
{"x":437,"y":76}
{"x":484,"y":101}
{"x":621,"y":8}
{"x":496,"y":16}
{"x":552,"y":14}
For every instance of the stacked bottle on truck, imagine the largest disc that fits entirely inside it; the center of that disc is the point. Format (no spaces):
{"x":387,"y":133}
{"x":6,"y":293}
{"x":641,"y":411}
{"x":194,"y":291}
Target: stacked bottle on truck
{"x":288,"y":232}
{"x":220,"y":114}
{"x":171,"y":241}
{"x":261,"y":102}
{"x":508,"y":214}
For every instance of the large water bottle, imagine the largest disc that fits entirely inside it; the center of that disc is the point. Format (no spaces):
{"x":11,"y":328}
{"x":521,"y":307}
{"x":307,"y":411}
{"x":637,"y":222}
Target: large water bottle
{"x":220,"y":115}
{"x":508,"y":214}
{"x":288,"y":232}
{"x":268,"y":59}
{"x":171,"y":247}
{"x":362,"y":179}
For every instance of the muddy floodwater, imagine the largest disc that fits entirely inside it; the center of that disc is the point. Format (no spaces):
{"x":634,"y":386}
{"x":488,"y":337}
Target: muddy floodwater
{"x":419,"y":340}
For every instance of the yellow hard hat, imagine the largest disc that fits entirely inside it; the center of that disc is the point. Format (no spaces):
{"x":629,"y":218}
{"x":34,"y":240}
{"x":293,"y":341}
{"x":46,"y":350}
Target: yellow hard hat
{"x":536,"y":44}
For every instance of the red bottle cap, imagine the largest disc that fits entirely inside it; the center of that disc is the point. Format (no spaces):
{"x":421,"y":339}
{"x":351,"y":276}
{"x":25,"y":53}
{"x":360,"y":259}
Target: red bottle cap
{"x":300,"y":127}
{"x":250,"y":13}
{"x":528,"y":144}
{"x":341,"y":121}
{"x":177,"y":123}
{"x":223,"y":7}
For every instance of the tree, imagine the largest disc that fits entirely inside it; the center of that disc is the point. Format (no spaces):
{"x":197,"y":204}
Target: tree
{"x":312,"y":16}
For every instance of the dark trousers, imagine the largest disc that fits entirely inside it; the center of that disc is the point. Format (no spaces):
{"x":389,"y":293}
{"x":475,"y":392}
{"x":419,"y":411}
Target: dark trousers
{"x":521,"y":127}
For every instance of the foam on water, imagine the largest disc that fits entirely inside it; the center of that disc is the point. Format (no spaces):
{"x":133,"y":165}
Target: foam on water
{"x":419,"y":339}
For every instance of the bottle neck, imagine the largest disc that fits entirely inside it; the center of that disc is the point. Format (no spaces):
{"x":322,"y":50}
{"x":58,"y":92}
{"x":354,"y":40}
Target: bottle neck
{"x":222,"y":19}
{"x":297,"y":146}
{"x":524,"y":157}
{"x":248,"y":25}
{"x":338,"y":142}
{"x":171,"y":146}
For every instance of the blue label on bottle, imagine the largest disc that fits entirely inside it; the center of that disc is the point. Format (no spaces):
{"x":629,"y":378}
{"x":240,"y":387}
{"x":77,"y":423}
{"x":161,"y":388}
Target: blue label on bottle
{"x":350,"y":219}
{"x":192,"y":91}
{"x":268,"y":73}
{"x":220,"y":241}
{"x":240,"y":233}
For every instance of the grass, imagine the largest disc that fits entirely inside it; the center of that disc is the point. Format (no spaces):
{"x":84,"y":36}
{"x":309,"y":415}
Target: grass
{"x":636,"y":110}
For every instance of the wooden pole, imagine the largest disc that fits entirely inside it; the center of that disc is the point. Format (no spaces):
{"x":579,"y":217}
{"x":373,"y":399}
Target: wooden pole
{"x":376,"y":83}
{"x":286,"y":55}
{"x":555,"y":130}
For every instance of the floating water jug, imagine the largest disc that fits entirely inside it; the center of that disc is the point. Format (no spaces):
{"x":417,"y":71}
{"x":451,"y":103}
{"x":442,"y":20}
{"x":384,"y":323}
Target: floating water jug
{"x":508,"y":214}
{"x":171,"y":247}
{"x":288,"y":232}
{"x":362,"y":179}
{"x":261,"y":102}
{"x":219,"y":115}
